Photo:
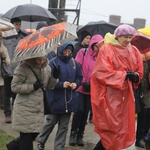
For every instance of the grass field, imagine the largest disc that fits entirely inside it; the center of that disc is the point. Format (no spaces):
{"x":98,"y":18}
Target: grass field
{"x":4,"y":139}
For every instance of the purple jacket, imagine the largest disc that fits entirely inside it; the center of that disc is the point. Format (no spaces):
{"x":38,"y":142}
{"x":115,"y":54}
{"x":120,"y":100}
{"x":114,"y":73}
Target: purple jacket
{"x":87,"y":60}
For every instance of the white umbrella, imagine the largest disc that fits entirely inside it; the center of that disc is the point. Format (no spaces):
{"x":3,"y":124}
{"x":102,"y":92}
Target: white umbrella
{"x":7,"y":28}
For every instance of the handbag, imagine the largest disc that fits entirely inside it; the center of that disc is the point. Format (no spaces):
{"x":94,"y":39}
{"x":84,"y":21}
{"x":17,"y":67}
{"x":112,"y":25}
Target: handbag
{"x":138,"y":95}
{"x":47,"y":109}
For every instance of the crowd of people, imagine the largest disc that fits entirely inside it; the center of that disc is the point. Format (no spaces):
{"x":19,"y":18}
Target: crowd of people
{"x":97,"y":75}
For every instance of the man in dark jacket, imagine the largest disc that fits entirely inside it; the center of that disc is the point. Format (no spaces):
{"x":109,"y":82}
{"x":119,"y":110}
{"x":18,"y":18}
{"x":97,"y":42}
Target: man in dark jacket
{"x":84,"y":40}
{"x":11,"y":44}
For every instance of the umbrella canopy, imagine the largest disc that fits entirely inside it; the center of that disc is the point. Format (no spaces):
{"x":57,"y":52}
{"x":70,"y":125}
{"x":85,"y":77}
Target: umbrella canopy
{"x":30,"y":12}
{"x":99,"y":27}
{"x":142,"y":42}
{"x":44,"y":40}
{"x":7,"y":29}
{"x":145,"y":31}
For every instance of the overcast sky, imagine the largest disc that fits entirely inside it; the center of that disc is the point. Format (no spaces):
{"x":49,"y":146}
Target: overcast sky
{"x":95,"y":10}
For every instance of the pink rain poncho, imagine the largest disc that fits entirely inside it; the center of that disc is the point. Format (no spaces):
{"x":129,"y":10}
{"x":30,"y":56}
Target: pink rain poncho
{"x":112,"y":96}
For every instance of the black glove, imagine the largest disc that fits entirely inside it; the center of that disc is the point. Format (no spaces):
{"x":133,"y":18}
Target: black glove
{"x":37,"y":85}
{"x":132,"y":76}
{"x":56,"y":72}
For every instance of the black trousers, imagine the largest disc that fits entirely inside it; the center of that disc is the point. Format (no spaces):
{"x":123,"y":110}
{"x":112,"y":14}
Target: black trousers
{"x":26,"y":141}
{"x":7,"y":95}
{"x":23,"y":142}
{"x":143,"y":123}
{"x":79,"y":120}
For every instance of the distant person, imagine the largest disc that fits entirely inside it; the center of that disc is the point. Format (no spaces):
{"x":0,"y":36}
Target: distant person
{"x":10,"y":44}
{"x":41,"y":24}
{"x":117,"y":70}
{"x":84,"y":40}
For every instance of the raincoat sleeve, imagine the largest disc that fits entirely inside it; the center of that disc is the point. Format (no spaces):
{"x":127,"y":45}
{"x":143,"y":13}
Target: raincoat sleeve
{"x":104,"y":70}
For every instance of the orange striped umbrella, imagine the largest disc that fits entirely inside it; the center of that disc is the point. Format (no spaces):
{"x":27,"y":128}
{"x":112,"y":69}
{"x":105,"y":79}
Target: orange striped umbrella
{"x":142,"y":42}
{"x":44,"y":40}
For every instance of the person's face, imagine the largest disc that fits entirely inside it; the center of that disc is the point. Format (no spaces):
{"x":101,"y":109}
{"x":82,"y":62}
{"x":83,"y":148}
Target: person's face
{"x":17,"y":25}
{"x":86,"y":40}
{"x":67,"y":52}
{"x":125,"y":40}
{"x":40,"y":60}
{"x":95,"y":47}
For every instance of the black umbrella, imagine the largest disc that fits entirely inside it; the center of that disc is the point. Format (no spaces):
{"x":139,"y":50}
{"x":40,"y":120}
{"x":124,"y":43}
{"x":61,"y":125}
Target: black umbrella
{"x":30,"y":12}
{"x":99,"y":27}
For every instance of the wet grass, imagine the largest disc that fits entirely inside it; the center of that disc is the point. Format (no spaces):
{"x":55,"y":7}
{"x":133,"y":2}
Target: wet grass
{"x":4,"y":139}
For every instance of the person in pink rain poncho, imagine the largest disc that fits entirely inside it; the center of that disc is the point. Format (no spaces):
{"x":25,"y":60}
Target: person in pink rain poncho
{"x":117,"y":70}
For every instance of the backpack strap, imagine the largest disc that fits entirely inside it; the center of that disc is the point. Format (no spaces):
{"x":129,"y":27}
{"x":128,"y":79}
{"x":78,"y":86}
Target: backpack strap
{"x":84,"y":52}
{"x":74,"y":64}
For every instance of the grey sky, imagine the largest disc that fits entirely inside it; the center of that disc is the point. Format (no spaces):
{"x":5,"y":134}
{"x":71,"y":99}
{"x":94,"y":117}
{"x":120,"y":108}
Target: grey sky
{"x":95,"y":10}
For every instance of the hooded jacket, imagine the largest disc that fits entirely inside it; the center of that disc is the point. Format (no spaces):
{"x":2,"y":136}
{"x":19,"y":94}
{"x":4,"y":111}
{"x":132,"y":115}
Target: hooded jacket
{"x":64,"y":100}
{"x":112,"y":95}
{"x":87,"y":60}
{"x":28,"y":110}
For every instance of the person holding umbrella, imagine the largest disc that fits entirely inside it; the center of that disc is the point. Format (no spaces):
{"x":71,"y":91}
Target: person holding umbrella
{"x":118,"y":69}
{"x":10,"y":44}
{"x":28,"y":112}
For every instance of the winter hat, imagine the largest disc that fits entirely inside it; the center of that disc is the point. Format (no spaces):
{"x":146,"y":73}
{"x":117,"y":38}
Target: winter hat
{"x":41,"y":24}
{"x":124,"y":30}
{"x":83,"y":35}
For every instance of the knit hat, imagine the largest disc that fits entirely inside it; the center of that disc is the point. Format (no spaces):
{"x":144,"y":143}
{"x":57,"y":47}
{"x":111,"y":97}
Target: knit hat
{"x":41,"y":24}
{"x":124,"y":30}
{"x":83,"y":35}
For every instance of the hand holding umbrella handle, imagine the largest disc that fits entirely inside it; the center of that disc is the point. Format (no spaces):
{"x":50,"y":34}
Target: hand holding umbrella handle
{"x":56,"y":72}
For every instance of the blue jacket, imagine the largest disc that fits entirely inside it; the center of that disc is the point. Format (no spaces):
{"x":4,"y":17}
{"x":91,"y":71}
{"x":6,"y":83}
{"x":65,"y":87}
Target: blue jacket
{"x":64,"y":100}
